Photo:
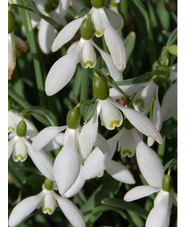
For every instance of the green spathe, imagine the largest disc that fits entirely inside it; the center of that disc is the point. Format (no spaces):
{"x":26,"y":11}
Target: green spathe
{"x":97,"y":3}
{"x":73,"y":118}
{"x":167,"y":183}
{"x":11,"y":21}
{"x":87,"y":29}
{"x":100,"y":87}
{"x":21,"y":129}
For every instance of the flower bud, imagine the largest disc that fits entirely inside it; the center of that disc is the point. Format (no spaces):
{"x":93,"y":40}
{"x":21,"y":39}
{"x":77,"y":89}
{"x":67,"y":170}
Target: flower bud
{"x":160,"y":75}
{"x":167,"y":183}
{"x":73,"y":118}
{"x":100,"y":87}
{"x":97,"y":3}
{"x":21,"y":129}
{"x":87,"y":29}
{"x":11,"y":21}
{"x":48,"y":184}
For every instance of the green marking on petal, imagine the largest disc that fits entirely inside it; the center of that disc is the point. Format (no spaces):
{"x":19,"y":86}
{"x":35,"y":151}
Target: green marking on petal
{"x":126,"y":153}
{"x":19,"y":156}
{"x":140,"y":101}
{"x":88,"y":63}
{"x":98,"y":33}
{"x":113,"y":123}
{"x":113,"y":3}
{"x":9,"y":128}
{"x":48,"y":209}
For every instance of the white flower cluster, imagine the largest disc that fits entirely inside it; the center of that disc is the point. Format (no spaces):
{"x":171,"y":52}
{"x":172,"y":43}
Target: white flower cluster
{"x":85,"y":153}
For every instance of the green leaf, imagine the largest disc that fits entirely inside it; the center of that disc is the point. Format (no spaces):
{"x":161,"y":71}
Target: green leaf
{"x":164,"y":15}
{"x":125,"y":205}
{"x":172,"y":38}
{"x":129,"y":44}
{"x":170,"y":164}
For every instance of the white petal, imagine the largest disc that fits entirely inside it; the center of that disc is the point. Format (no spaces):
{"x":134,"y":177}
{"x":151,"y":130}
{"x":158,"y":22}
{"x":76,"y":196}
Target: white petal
{"x":96,"y":19}
{"x":114,"y":72}
{"x":20,"y":150}
{"x":23,"y":45}
{"x":77,"y":186}
{"x":110,"y":115}
{"x":157,"y":117}
{"x":88,"y":58}
{"x":11,"y":55}
{"x":160,"y":214}
{"x":139,"y":192}
{"x":67,"y":165}
{"x":71,"y":212}
{"x":24,"y":208}
{"x":114,"y":140}
{"x":57,"y":142}
{"x":45,"y":136}
{"x":115,"y":19}
{"x":169,"y":102}
{"x":94,"y":164}
{"x":62,"y":71}
{"x":150,"y":165}
{"x":104,"y":146}
{"x":66,"y":34}
{"x":139,"y":121}
{"x":11,"y":145}
{"x":173,"y":73}
{"x":88,"y":134}
{"x":42,"y":161}
{"x":119,"y":172}
{"x":144,"y":97}
{"x":46,"y":36}
{"x":114,"y":42}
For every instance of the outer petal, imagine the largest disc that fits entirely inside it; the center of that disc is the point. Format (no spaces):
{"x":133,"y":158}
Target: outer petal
{"x":62,"y":71}
{"x":42,"y":161}
{"x":114,"y":72}
{"x":89,"y":133}
{"x":23,"y":45}
{"x":57,"y":142}
{"x":110,"y":115}
{"x":24,"y":208}
{"x":67,"y":165}
{"x":46,"y":36}
{"x":71,"y":212}
{"x":45,"y":136}
{"x":77,"y":186}
{"x":88,"y":54}
{"x":11,"y":55}
{"x":160,"y":214}
{"x":139,"y":121}
{"x":119,"y":172}
{"x":115,"y":19}
{"x":114,"y":42}
{"x":150,"y":165}
{"x":66,"y":34}
{"x":11,"y":145}
{"x":139,"y":192}
{"x":94,"y":164}
{"x":157,"y":117}
{"x":169,"y":102}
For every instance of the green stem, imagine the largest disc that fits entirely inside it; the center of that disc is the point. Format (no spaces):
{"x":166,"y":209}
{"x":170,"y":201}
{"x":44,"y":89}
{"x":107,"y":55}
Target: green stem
{"x":39,"y":68}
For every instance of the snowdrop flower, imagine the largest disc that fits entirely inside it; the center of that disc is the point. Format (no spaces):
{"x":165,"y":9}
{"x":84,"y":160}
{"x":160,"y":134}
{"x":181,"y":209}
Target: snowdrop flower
{"x":103,"y":26}
{"x":67,"y":164}
{"x":100,"y":159}
{"x":80,"y":51}
{"x":48,"y":199}
{"x":151,"y":167}
{"x":20,"y":147}
{"x":110,"y":114}
{"x":13,"y":42}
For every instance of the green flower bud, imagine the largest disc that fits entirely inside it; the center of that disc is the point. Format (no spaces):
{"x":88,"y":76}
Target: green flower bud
{"x":167,"y":183}
{"x":97,"y":3}
{"x":48,"y":184}
{"x":21,"y":129}
{"x":73,"y":118}
{"x":87,"y":29}
{"x":127,"y":124}
{"x":160,"y":75}
{"x":11,"y":21}
{"x":100,"y":87}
